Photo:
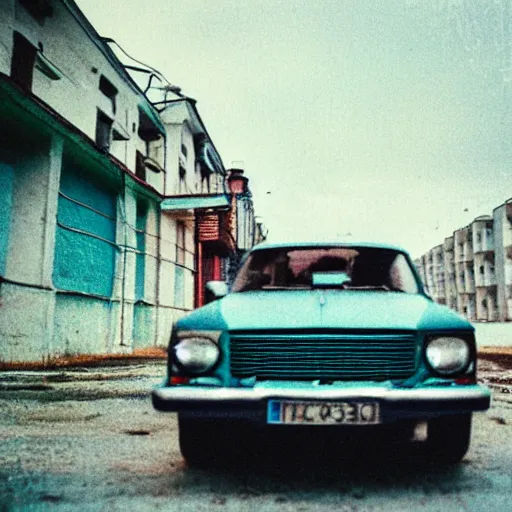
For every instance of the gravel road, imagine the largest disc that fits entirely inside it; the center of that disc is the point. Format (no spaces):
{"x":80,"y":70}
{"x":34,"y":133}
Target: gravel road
{"x":89,"y":440}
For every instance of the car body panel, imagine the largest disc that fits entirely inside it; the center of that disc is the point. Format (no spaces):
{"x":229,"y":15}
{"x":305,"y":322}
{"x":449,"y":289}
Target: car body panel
{"x":337,"y":309}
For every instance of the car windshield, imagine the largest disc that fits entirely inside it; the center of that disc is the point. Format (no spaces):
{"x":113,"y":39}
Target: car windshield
{"x":353,"y":268}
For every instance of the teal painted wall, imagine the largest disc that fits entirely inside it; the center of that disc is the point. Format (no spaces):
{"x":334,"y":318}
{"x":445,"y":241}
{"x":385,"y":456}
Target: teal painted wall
{"x":179,"y":286}
{"x":144,"y":326}
{"x":6,"y":186}
{"x":85,"y":251}
{"x":82,"y":325}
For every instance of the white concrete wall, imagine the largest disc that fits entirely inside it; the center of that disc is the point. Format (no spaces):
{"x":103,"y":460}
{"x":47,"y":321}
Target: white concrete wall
{"x":178,"y":133}
{"x":167,"y":312}
{"x":67,"y":45}
{"x":26,"y":323}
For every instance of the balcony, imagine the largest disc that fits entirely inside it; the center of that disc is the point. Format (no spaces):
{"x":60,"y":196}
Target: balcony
{"x":484,"y":246}
{"x":214,"y":229}
{"x":508,"y":211}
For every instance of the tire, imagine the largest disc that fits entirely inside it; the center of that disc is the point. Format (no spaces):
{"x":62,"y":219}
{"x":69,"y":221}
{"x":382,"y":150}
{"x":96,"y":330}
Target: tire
{"x":448,"y":438}
{"x":207,"y":442}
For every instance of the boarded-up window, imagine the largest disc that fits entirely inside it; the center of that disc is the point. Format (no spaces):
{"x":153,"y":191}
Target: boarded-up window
{"x":85,"y":248}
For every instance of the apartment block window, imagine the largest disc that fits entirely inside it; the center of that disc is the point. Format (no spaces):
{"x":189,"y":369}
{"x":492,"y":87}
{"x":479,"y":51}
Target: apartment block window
{"x":184,"y":150}
{"x":23,"y":59}
{"x":103,"y":130}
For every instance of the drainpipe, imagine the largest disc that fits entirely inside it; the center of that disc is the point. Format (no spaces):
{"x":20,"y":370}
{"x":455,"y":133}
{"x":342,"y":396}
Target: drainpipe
{"x":159,"y":249}
{"x":198,"y":258}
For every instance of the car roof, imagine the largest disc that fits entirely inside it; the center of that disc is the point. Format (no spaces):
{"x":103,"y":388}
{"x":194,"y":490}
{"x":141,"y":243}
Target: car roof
{"x":327,"y":243}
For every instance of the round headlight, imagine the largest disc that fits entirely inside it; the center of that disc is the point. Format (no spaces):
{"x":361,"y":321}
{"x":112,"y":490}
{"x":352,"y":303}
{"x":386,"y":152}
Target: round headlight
{"x":447,"y":355}
{"x":196,"y":355}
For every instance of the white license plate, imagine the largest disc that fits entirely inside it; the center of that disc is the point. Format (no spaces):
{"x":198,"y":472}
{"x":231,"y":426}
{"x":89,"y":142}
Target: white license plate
{"x":292,"y":412}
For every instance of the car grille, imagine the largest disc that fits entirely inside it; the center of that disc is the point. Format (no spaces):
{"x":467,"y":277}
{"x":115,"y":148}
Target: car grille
{"x":325,"y":356}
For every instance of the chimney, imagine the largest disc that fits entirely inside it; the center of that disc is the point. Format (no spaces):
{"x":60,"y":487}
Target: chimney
{"x":237,"y":182}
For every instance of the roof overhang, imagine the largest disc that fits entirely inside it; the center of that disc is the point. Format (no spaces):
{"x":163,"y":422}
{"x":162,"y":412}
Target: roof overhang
{"x":150,"y":127}
{"x":195,"y":202}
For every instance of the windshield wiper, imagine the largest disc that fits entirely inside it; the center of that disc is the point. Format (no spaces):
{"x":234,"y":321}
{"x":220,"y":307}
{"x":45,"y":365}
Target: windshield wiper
{"x":370,"y":287}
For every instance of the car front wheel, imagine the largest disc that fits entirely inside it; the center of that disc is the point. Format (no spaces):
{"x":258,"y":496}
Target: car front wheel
{"x":448,"y":438}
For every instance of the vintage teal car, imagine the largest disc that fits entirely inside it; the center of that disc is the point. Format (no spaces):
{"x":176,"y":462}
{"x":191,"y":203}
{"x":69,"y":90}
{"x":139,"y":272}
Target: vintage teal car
{"x":326,"y":336}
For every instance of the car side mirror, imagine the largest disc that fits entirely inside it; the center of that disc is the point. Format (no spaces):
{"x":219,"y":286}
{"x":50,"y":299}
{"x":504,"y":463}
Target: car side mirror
{"x":215,"y":290}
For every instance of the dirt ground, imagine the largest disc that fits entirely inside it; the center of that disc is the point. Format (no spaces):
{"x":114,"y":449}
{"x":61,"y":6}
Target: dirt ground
{"x":87,"y":438}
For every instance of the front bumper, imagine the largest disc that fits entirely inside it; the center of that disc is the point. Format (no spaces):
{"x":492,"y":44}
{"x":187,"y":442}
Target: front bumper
{"x":251,"y":403}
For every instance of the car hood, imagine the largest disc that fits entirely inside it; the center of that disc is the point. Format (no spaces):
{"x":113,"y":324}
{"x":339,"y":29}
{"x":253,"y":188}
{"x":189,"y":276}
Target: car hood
{"x":336,"y":309}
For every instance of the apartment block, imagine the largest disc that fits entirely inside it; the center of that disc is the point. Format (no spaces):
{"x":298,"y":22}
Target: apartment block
{"x":502,"y":235}
{"x":476,"y":265}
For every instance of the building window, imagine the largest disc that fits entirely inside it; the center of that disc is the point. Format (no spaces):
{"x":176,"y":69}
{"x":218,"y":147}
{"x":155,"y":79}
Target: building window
{"x":140,"y":166}
{"x":140,"y":235}
{"x":110,"y":92}
{"x":23,"y":60}
{"x":182,"y":188}
{"x":103,"y":130}
{"x":179,"y":275}
{"x":184,"y":150}
{"x":180,"y":243}
{"x":39,"y":9}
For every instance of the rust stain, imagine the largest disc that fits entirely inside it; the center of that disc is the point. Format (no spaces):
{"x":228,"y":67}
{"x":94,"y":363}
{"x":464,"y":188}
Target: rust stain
{"x":154,"y":353}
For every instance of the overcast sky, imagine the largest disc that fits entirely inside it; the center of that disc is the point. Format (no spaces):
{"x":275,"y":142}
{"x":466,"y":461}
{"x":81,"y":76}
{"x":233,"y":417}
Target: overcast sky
{"x":384,"y":119}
